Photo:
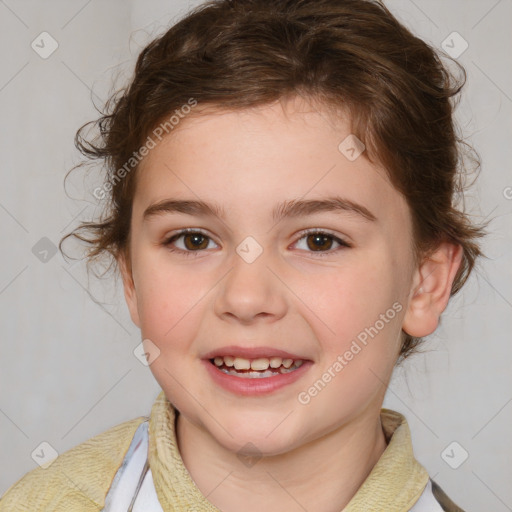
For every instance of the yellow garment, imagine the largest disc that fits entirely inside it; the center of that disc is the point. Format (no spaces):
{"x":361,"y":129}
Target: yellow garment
{"x":80,"y":478}
{"x":77,"y":480}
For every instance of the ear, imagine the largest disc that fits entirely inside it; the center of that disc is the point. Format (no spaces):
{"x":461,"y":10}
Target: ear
{"x":130,"y":294}
{"x":432,"y":283}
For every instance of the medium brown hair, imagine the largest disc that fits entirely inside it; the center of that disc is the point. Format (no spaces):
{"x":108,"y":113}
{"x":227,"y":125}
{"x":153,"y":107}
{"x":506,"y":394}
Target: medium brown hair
{"x":349,"y":54}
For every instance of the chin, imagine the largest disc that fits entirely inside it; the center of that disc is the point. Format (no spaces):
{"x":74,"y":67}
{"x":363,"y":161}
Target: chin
{"x":256,"y":438}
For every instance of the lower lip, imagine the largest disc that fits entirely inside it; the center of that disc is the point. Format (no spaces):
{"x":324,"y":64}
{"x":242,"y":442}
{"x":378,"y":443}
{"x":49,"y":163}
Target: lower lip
{"x":256,"y":386}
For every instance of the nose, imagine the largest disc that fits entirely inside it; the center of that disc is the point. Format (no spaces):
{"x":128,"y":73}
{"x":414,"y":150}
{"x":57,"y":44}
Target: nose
{"x":251,"y":291}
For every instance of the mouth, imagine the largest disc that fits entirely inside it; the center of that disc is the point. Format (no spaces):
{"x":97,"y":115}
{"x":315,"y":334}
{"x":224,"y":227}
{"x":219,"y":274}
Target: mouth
{"x":255,"y":371}
{"x":257,"y":368}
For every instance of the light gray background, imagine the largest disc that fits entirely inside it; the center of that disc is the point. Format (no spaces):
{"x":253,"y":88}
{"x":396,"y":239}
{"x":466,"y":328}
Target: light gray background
{"x":67,"y":370}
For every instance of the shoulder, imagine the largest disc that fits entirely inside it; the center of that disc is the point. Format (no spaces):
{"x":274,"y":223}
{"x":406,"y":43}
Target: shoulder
{"x":78,"y":479}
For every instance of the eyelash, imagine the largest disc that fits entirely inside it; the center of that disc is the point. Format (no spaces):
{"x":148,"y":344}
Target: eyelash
{"x":168,"y":242}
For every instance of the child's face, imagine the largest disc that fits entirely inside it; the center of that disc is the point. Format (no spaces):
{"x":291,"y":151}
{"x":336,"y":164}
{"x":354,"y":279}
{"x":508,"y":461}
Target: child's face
{"x":313,"y":304}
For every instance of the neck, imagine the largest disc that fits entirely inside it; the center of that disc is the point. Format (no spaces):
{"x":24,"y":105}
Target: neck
{"x":321,"y":475}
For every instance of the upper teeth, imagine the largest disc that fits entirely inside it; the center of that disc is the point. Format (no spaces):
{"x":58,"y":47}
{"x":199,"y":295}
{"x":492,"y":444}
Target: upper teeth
{"x":262,"y":363}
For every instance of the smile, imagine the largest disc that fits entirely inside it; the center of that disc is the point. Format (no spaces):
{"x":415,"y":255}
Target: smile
{"x":255,"y":371}
{"x":259,"y":368}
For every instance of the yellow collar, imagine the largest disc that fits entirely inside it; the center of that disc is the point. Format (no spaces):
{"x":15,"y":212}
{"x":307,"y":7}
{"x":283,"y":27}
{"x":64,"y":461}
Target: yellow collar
{"x":395,"y":482}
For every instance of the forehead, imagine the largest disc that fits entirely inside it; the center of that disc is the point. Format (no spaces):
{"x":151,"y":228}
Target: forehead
{"x":261,"y":156}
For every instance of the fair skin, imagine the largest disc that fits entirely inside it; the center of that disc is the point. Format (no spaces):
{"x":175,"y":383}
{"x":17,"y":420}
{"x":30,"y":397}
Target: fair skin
{"x":314,"y":303}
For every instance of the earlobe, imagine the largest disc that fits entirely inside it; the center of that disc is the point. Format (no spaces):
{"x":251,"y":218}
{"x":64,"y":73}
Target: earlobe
{"x":130,"y":293}
{"x":430,"y":292}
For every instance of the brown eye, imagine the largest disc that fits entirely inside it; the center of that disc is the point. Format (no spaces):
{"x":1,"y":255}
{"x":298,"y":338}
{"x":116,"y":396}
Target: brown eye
{"x":195,"y":241}
{"x":319,"y":242}
{"x":188,"y":242}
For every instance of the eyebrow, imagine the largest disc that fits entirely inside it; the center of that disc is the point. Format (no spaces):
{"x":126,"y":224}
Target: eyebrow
{"x":286,"y":209}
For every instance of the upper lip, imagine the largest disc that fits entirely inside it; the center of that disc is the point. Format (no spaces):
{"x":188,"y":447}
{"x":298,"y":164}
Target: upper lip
{"x":252,"y":353}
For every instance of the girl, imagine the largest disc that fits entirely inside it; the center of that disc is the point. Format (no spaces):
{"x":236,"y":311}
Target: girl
{"x":279,"y":203}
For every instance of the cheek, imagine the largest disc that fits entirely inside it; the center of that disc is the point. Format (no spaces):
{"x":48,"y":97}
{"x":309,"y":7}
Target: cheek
{"x":354,"y":296}
{"x":358,"y":314}
{"x":169,"y":303}
{"x":360,"y":348}
{"x":170,"y":310}
{"x":173,"y":301}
